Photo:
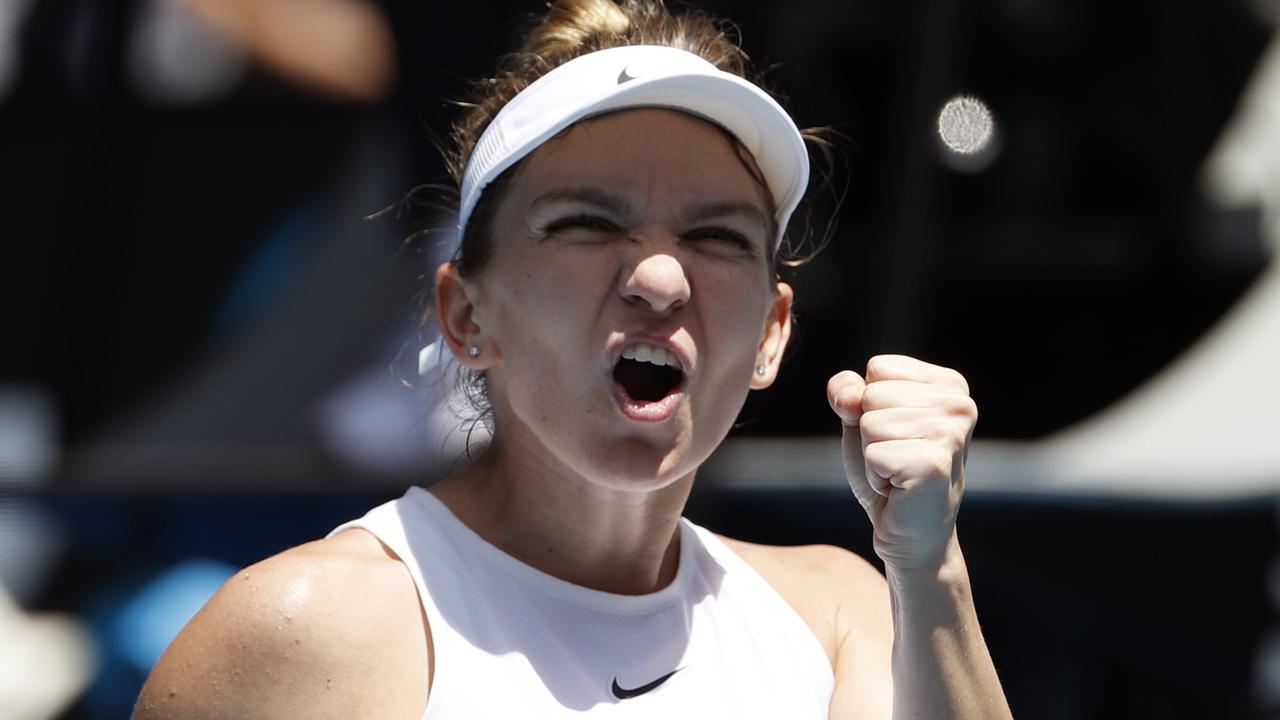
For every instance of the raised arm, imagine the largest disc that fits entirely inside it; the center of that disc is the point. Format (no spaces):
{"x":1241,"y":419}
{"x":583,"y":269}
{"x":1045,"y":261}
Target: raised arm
{"x":907,"y":429}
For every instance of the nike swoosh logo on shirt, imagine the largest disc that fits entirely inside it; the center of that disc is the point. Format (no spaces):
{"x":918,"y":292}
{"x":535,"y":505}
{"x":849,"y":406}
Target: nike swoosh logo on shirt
{"x":624,"y":693}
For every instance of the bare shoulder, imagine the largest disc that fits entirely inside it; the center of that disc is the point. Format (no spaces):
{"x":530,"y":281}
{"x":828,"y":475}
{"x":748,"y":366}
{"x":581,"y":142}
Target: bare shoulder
{"x":813,"y":573}
{"x":845,"y":601}
{"x":836,"y":591}
{"x":317,"y":631}
{"x":820,"y":568}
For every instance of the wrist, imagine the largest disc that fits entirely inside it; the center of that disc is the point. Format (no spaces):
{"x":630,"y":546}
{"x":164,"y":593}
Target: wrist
{"x":947,"y":570}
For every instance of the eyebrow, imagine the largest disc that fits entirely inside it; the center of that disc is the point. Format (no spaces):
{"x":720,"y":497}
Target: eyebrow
{"x":725,"y":208}
{"x":587,"y":196}
{"x":617,"y":205}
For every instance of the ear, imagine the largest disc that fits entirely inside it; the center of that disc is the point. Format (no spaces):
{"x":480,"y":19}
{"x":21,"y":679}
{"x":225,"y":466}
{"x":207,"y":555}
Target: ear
{"x":455,"y":303}
{"x":773,"y":341}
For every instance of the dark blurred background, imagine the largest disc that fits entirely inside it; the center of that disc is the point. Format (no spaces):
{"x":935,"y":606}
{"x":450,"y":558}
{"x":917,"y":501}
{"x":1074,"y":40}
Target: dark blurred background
{"x":202,"y":330}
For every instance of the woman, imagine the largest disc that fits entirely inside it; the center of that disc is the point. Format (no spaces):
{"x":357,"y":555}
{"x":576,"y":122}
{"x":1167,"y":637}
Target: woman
{"x":614,"y":296}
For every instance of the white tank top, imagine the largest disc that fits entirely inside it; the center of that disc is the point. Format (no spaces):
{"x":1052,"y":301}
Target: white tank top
{"x":514,"y":642}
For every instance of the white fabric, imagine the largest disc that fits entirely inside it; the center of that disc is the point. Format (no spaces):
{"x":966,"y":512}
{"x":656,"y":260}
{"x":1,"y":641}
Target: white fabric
{"x":512,"y":641}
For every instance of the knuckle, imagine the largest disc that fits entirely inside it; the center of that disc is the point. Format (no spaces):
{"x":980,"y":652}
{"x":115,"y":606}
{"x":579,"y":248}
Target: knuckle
{"x":876,"y":454}
{"x":940,"y":428}
{"x":869,"y":397}
{"x":874,"y":395}
{"x":873,"y":425}
{"x":878,"y":365}
{"x":940,"y":463}
{"x":961,"y":406}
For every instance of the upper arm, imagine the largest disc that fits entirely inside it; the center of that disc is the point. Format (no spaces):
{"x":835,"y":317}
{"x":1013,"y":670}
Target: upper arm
{"x":302,"y":634}
{"x":258,"y":636}
{"x":864,"y":640}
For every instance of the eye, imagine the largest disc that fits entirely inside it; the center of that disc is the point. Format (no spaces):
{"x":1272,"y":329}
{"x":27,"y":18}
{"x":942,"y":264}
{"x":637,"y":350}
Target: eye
{"x":581,"y":223}
{"x":723,"y":240}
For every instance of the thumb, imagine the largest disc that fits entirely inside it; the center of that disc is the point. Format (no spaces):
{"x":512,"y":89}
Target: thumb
{"x":844,"y":394}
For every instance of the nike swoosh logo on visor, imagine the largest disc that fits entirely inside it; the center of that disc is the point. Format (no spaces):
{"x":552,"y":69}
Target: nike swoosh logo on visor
{"x":624,"y":693}
{"x":624,"y":77}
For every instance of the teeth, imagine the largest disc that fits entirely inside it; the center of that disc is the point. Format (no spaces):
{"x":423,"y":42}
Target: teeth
{"x":651,"y":354}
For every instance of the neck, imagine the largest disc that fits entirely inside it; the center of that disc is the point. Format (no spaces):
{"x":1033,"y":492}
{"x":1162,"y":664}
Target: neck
{"x":619,"y":541}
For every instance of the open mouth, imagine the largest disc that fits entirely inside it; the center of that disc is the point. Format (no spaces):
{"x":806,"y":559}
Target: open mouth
{"x":647,"y":373}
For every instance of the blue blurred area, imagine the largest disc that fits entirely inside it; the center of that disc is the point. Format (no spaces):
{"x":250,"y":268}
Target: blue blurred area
{"x":270,"y":272}
{"x":139,"y":567}
{"x":135,"y":619}
{"x":154,"y":615}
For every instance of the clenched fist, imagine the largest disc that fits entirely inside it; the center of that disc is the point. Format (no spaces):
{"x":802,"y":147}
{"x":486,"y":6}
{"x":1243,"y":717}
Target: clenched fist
{"x":907,"y":429}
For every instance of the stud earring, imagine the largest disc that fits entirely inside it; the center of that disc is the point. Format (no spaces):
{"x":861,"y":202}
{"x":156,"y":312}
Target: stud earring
{"x":473,"y":351}
{"x":761,"y":370}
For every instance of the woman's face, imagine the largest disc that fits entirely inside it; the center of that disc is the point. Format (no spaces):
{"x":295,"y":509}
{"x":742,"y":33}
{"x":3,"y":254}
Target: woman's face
{"x":629,"y":299}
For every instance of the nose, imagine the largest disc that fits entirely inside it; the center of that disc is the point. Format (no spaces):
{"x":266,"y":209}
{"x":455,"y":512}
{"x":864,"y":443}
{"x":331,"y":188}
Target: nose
{"x":656,"y":281}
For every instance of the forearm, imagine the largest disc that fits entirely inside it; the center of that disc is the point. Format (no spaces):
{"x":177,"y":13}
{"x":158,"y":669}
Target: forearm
{"x":941,"y":666}
{"x":342,"y":48}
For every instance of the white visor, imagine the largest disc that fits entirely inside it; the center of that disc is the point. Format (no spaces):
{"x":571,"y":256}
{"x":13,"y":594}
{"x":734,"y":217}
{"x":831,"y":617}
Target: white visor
{"x":635,"y":76}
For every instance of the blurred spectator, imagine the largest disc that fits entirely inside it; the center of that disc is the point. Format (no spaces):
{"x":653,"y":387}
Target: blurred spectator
{"x":338,"y":48}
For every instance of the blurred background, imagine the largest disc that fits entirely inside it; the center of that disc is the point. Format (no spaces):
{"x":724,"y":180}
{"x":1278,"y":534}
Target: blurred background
{"x":203,"y":325}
